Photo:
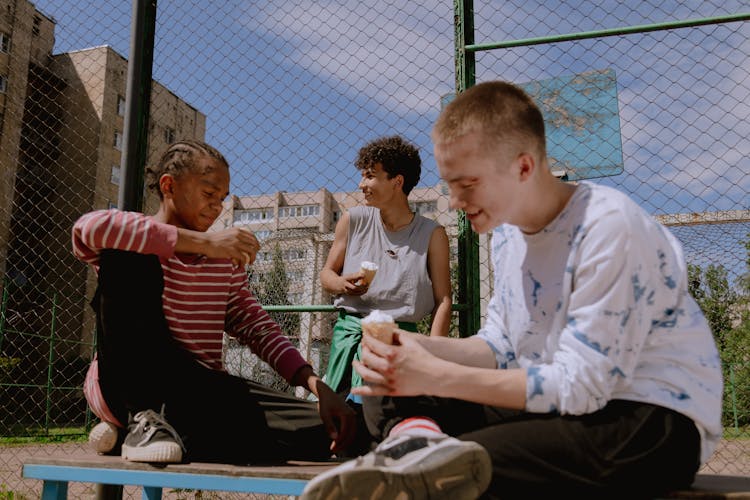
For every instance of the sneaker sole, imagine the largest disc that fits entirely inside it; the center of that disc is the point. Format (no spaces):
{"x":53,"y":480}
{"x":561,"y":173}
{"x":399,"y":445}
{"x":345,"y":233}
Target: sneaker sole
{"x":103,"y":437}
{"x":456,"y":473}
{"x":160,"y":452}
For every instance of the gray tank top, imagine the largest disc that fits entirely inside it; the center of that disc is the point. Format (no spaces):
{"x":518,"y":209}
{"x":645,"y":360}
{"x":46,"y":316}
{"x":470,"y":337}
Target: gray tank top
{"x":402,"y":286}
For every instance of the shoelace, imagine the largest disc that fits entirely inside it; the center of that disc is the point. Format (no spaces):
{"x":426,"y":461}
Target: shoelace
{"x":150,"y":422}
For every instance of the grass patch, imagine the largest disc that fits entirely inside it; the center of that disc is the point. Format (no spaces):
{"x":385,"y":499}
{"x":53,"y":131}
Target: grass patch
{"x":25,"y":436}
{"x":6,"y":494}
{"x":736,"y":434}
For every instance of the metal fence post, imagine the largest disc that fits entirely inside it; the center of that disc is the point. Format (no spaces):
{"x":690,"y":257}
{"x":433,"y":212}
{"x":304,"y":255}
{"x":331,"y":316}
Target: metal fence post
{"x":468,"y":241}
{"x":138,"y":102}
{"x":50,"y":363}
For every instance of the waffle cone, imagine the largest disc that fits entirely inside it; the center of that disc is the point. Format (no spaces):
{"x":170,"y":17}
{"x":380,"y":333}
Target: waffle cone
{"x":383,"y":331}
{"x":369,"y":275}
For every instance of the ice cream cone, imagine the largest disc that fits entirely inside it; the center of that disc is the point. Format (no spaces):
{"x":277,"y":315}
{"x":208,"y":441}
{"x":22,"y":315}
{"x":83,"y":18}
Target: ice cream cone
{"x":369,"y":269}
{"x":379,"y":325}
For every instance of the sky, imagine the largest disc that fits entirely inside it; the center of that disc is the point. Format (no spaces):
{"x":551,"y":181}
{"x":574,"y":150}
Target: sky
{"x":291,"y":90}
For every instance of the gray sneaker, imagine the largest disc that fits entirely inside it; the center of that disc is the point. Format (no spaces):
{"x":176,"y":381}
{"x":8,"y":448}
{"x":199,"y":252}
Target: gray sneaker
{"x":151,"y":439}
{"x":408,"y":468}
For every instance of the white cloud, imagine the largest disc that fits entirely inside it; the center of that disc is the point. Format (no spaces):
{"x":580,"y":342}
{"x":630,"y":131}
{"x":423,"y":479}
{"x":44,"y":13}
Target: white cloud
{"x":404,"y":61}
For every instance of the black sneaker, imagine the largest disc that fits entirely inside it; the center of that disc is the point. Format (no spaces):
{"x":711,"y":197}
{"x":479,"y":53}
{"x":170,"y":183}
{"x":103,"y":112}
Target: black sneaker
{"x":408,"y":467}
{"x":151,"y":439}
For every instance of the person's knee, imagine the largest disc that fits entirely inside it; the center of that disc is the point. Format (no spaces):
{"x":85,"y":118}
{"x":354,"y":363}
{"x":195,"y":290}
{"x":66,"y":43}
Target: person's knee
{"x":128,"y":273}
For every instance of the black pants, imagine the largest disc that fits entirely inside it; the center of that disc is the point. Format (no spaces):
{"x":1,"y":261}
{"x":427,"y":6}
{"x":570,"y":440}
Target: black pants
{"x":219,"y":416}
{"x":626,"y":450}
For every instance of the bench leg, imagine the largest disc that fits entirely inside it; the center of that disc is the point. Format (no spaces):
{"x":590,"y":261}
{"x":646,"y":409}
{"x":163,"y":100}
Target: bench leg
{"x":151,"y":493}
{"x":55,"y":490}
{"x":108,"y":492}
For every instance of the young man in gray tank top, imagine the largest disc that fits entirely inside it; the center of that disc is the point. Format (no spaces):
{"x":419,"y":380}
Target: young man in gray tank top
{"x":411,"y":252}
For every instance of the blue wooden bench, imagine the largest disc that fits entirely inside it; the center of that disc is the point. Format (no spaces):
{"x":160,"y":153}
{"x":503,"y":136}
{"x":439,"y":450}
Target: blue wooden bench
{"x":283,"y":479}
{"x":56,"y":472}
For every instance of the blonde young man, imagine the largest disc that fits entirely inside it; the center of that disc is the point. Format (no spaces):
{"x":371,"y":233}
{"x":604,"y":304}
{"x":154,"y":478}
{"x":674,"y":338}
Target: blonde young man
{"x":595,"y":374}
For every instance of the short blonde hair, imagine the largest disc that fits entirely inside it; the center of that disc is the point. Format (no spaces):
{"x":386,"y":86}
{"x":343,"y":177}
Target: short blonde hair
{"x":501,"y":112}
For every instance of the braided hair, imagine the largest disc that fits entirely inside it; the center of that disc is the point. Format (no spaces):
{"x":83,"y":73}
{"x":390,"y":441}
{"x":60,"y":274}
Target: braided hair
{"x":179,"y":157}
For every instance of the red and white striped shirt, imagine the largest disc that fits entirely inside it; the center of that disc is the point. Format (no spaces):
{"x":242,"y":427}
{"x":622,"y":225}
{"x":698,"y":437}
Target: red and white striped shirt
{"x":203,"y":297}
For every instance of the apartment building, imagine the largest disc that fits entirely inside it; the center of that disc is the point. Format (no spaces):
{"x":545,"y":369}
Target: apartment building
{"x":26,"y":41}
{"x":61,"y":140}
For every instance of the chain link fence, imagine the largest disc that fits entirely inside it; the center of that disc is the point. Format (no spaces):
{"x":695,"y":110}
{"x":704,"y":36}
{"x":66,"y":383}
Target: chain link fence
{"x":289,"y":91}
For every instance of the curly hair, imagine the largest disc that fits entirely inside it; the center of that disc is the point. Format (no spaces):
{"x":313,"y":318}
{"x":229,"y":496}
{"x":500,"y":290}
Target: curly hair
{"x":397,"y":156}
{"x":179,"y":157}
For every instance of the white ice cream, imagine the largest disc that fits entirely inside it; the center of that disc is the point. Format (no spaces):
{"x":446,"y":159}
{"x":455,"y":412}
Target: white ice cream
{"x":378,"y":316}
{"x":369,"y":266}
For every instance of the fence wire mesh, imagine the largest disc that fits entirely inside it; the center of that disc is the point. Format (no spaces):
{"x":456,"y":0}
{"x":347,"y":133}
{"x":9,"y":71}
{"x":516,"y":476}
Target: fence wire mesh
{"x":289,"y":91}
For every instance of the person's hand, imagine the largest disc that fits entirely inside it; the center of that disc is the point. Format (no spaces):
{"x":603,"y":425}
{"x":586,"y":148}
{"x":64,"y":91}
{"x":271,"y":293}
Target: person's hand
{"x":402,"y":369}
{"x":338,"y":418}
{"x":354,"y":284}
{"x":238,"y":244}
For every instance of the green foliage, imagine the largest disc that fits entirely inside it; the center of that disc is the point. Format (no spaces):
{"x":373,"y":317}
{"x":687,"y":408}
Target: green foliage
{"x":7,"y":364}
{"x":727,"y":311}
{"x":717,"y":299}
{"x":744,"y":280}
{"x":6,"y":494}
{"x":274,"y":290}
{"x":19,"y":435}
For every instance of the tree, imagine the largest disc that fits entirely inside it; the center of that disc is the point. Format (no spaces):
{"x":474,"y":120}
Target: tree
{"x":715,"y":296}
{"x":727,"y":311}
{"x":273,"y":289}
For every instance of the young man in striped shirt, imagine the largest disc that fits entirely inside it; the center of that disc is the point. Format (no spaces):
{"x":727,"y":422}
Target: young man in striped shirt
{"x":167,"y":291}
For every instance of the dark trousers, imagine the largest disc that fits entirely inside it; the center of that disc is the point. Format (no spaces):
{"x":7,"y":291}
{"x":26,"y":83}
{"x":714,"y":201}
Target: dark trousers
{"x":220,"y":417}
{"x":626,"y":450}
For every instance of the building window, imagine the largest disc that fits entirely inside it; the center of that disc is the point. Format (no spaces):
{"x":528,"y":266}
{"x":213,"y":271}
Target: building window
{"x":3,"y":84}
{"x":120,"y":105}
{"x":262,"y":256}
{"x":262,"y":235}
{"x":424,"y":207}
{"x":169,"y":135}
{"x":4,"y":42}
{"x":254,"y":215}
{"x":295,"y":275}
{"x":299,"y":211}
{"x":115,"y":177}
{"x":294,"y":254}
{"x":118,"y":141}
{"x":336,"y":216}
{"x":36,"y":23}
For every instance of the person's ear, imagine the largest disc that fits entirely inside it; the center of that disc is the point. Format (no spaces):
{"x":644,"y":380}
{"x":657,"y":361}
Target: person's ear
{"x":166,"y":185}
{"x":526,"y":166}
{"x":399,"y":181}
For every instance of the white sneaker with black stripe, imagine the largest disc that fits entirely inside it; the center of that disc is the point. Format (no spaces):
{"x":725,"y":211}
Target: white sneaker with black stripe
{"x":407,"y":467}
{"x":151,"y":439}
